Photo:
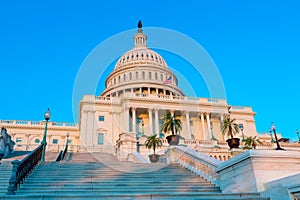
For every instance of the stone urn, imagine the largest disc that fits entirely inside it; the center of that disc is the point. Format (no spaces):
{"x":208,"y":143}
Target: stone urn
{"x":233,"y":142}
{"x":154,"y":158}
{"x":173,"y":139}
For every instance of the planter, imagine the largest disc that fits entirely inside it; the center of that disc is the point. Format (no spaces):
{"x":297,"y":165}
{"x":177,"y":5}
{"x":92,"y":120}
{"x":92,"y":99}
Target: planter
{"x":173,"y":139}
{"x":154,"y":158}
{"x":233,"y":142}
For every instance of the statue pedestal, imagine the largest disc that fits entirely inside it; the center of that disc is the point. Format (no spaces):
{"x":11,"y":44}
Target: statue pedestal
{"x":6,"y":144}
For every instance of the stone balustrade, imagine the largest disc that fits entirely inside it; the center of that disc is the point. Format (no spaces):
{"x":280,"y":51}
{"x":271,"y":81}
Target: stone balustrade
{"x":161,"y":97}
{"x":194,"y":161}
{"x":36,"y":123}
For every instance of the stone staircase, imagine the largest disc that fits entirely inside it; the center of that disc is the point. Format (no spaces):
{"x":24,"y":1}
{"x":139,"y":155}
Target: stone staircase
{"x":102,"y":176}
{"x":5,"y":171}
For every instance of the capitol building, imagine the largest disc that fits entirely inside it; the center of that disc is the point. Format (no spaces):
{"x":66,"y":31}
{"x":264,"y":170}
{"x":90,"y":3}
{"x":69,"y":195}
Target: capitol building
{"x":139,"y":92}
{"x":104,"y":156}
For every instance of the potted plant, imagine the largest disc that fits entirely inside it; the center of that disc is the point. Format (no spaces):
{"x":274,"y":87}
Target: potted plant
{"x":171,"y":123}
{"x":230,"y":128}
{"x":153,"y":142}
{"x":252,"y":142}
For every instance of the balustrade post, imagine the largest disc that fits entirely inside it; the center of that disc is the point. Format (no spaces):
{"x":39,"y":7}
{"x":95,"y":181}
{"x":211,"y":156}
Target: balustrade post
{"x":13,"y":182}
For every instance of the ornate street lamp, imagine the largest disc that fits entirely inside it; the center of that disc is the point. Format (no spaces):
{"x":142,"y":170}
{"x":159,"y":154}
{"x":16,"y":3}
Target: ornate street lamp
{"x":272,"y":139}
{"x":142,"y":127}
{"x":241,"y":126}
{"x":67,"y":143}
{"x":47,"y":116}
{"x":297,"y":132}
{"x":212,"y":134}
{"x":273,"y":127}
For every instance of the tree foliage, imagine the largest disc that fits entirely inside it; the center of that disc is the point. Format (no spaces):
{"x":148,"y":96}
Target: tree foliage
{"x":171,"y":123}
{"x":252,"y":142}
{"x":229,"y":127}
{"x":153,"y":142}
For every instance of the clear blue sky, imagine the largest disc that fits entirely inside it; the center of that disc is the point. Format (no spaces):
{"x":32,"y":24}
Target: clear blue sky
{"x":255,"y":45}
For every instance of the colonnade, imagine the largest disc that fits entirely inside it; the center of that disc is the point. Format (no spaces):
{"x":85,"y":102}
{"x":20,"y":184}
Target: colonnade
{"x":154,"y":127}
{"x":143,"y":90}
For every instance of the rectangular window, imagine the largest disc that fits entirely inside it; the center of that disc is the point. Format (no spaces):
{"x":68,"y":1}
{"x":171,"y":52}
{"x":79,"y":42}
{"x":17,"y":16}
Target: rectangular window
{"x":101,"y":118}
{"x":18,"y":139}
{"x":100,"y":138}
{"x":55,"y":141}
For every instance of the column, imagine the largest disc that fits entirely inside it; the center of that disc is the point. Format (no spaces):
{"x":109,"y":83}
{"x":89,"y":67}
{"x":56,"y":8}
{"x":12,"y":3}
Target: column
{"x":126,"y":119}
{"x":208,"y":126}
{"x":148,"y":90}
{"x":156,"y":122}
{"x":188,"y":124}
{"x":156,"y":90}
{"x":133,"y":120}
{"x":203,"y":126}
{"x":222,"y":119}
{"x":141,"y":90}
{"x":150,"y":121}
{"x":28,"y":142}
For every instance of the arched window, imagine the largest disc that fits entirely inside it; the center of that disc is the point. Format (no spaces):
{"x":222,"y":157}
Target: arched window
{"x":161,"y":77}
{"x":124,"y":77}
{"x":136,"y":75}
{"x":130,"y":76}
{"x":143,"y":75}
{"x":155,"y":76}
{"x":119,"y":79}
{"x":150,"y":75}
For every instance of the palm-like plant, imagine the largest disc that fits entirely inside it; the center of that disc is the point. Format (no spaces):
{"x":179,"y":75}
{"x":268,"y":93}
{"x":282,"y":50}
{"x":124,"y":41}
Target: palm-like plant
{"x":153,"y":142}
{"x":229,"y":127}
{"x":252,"y":142}
{"x":171,"y":123}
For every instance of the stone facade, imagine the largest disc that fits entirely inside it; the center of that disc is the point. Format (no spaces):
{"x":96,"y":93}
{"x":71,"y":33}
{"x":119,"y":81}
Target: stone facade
{"x":139,"y":92}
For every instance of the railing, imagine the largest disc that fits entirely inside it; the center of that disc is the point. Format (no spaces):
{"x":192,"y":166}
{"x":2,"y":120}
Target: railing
{"x":62,"y":154}
{"x":37,"y":123}
{"x":21,"y":169}
{"x":196,"y":162}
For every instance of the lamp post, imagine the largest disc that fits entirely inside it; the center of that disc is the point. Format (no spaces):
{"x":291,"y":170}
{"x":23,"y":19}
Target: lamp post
{"x":241,"y":126}
{"x":297,"y":132}
{"x":142,"y":127}
{"x":273,"y":127}
{"x":47,"y":116}
{"x":212,"y":133}
{"x":272,"y":139}
{"x":67,"y":143}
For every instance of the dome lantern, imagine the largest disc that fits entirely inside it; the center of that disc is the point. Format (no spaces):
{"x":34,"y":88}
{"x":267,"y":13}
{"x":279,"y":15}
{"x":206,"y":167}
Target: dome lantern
{"x":140,"y":38}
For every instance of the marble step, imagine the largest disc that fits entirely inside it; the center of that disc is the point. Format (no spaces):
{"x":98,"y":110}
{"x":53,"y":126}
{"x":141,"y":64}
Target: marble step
{"x":163,"y":196}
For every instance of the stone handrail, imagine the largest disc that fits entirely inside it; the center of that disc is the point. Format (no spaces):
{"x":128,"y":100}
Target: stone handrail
{"x":21,"y":169}
{"x":62,"y":154}
{"x":194,"y":161}
{"x":137,"y":158}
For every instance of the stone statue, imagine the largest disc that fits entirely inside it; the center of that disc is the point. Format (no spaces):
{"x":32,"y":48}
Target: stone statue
{"x":6,"y":144}
{"x":140,"y":25}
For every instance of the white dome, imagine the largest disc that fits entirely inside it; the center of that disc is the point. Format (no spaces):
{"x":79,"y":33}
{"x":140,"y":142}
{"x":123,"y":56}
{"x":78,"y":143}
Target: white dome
{"x":140,"y":56}
{"x":141,"y":68}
